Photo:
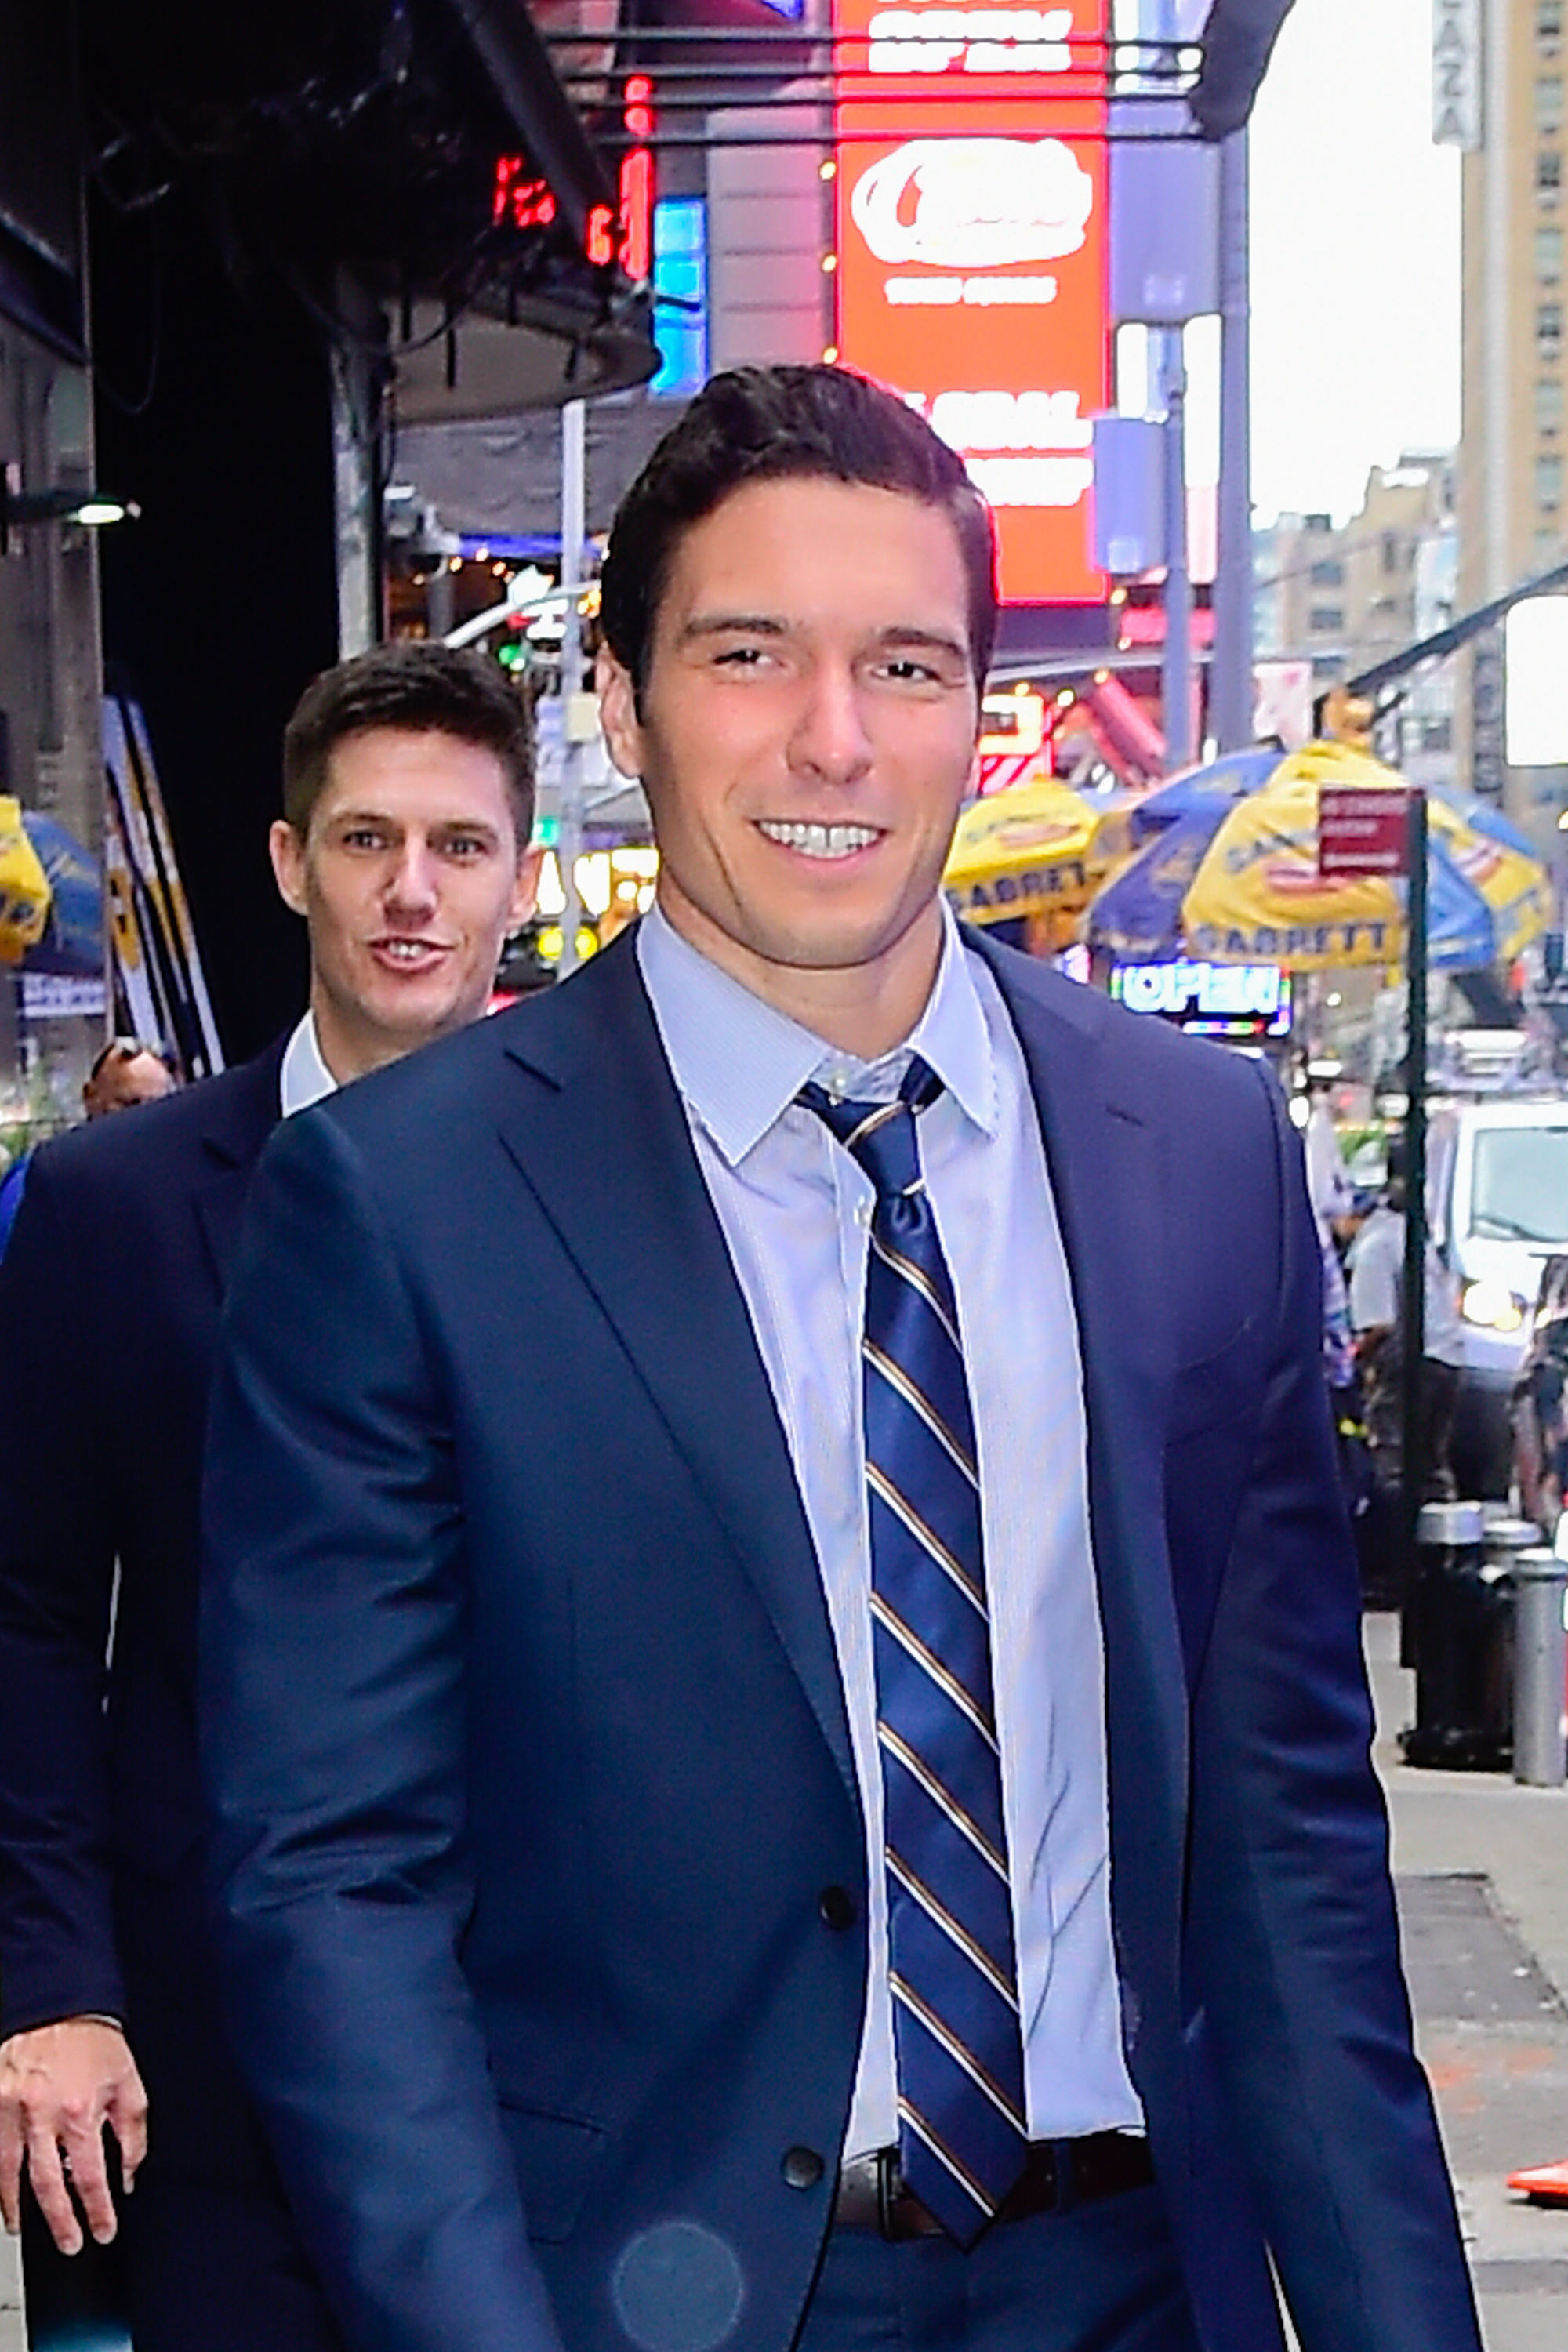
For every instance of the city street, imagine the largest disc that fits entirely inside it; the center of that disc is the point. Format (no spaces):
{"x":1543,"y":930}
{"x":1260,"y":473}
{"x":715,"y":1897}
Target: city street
{"x":1482,"y":1873}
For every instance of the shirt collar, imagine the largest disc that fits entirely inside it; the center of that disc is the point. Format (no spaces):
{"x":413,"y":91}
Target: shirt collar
{"x":304,"y":1078}
{"x":739,"y":1063}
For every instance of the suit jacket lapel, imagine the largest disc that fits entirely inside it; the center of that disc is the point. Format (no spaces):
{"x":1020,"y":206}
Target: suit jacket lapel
{"x":600,"y":1137}
{"x":1111,"y":1198}
{"x":243,"y":1110}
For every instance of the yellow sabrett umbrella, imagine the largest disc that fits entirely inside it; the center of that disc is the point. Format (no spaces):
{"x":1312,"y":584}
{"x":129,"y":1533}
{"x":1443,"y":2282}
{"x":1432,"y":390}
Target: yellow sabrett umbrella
{"x":1038,"y":848}
{"x":24,"y":886}
{"x":1254,"y":894}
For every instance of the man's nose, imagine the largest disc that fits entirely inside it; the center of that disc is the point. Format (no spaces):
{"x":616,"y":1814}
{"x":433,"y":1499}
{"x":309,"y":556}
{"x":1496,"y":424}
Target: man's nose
{"x":414,"y":880}
{"x":830,"y":737}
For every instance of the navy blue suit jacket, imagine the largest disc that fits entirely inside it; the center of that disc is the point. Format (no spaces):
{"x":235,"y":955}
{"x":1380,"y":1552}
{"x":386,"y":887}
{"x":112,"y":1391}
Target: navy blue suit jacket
{"x":110,"y":1293}
{"x":527,"y":1749}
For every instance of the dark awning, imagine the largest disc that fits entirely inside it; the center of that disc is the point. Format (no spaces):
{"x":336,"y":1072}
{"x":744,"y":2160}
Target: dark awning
{"x":373,"y":137}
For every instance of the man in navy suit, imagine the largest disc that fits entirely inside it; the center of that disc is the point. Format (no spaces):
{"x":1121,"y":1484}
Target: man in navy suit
{"x":781,"y":1672}
{"x":408,"y":801}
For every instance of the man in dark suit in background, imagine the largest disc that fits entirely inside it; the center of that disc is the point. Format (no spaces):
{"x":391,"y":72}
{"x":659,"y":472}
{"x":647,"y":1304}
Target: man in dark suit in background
{"x":835,"y":1807}
{"x":408,"y":788}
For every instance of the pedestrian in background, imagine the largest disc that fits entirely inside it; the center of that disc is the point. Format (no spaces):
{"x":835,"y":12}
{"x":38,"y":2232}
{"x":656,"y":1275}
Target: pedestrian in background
{"x":125,"y":1073}
{"x":1375,"y":1271}
{"x":408,"y":795}
{"x":782,"y":1680}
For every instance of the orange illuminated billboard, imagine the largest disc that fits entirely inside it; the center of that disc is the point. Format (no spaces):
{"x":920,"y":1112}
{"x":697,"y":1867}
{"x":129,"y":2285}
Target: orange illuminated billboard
{"x":970,"y":199}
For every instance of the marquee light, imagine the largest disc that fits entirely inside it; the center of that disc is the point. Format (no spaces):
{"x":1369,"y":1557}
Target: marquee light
{"x":970,"y":200}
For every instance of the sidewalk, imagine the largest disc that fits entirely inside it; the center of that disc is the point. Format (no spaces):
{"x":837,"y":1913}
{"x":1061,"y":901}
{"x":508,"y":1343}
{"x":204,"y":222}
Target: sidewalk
{"x":1482,"y":1868}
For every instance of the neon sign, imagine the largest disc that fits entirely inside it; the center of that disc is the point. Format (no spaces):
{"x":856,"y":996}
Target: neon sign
{"x":972,"y":182}
{"x":520,"y":198}
{"x":1215,"y":999}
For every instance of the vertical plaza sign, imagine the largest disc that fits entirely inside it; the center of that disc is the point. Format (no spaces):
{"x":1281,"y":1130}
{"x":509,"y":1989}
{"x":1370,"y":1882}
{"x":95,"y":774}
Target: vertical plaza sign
{"x":971,"y":194}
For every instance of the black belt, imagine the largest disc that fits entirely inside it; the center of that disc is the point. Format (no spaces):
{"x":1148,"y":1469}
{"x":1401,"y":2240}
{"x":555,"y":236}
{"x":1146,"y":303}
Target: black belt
{"x":1058,"y":2175}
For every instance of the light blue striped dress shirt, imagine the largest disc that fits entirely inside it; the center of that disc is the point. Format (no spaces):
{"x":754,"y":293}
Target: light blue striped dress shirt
{"x":795,"y":1210}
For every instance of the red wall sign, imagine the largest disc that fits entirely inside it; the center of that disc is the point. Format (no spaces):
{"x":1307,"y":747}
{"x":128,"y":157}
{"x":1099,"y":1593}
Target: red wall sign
{"x":971,"y":252}
{"x":1362,"y":830}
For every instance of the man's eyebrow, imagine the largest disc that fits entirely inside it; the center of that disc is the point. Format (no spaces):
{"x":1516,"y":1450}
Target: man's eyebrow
{"x":388,"y":822}
{"x":720,"y":625}
{"x":771,"y":625}
{"x":910,"y":633}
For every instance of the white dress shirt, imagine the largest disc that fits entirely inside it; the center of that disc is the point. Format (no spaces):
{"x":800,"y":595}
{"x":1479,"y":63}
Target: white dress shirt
{"x":304,"y":1078}
{"x":795,"y":1210}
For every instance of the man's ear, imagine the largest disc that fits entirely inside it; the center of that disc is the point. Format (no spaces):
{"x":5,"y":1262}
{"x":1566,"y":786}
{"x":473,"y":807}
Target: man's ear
{"x":286,"y":852}
{"x":525,"y":896}
{"x":618,"y":713}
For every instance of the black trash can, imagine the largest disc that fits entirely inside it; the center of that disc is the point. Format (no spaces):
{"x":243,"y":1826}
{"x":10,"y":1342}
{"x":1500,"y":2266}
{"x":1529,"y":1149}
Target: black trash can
{"x":1459,"y":1626}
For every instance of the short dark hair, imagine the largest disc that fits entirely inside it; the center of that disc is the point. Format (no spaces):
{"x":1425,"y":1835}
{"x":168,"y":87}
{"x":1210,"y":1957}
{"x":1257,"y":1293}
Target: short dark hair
{"x":773,"y":423}
{"x":129,"y":1049}
{"x":419,"y":686}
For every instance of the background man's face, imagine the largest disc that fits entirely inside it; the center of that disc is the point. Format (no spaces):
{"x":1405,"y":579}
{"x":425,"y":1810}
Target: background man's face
{"x":123,"y":1081}
{"x":808,"y":726}
{"x":409,"y":878}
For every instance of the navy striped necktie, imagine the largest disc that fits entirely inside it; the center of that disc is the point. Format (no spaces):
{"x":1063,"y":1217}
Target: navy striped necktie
{"x":963,"y":2138}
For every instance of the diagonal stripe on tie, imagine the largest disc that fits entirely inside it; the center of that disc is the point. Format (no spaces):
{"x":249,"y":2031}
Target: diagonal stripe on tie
{"x":962,"y":1821}
{"x":919,"y":1282}
{"x":941,"y":1675}
{"x":916,"y":1888}
{"x":903,"y":1386}
{"x":944,"y":1557}
{"x":956,"y":2050}
{"x":956,"y":2028}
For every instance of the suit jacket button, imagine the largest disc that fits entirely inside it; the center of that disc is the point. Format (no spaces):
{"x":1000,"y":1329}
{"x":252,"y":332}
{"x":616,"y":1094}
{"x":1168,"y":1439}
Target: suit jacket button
{"x":803,"y":2168}
{"x":837,"y":1906}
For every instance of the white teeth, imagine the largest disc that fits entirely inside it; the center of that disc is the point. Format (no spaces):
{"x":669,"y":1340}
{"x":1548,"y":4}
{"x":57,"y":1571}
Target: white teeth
{"x":820,"y":840}
{"x":405,"y":951}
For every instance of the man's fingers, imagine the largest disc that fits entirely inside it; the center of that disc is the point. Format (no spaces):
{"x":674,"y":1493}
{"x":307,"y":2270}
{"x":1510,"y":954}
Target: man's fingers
{"x":128,"y":2120}
{"x":10,"y":2176}
{"x":46,"y":2175}
{"x":82,"y":2160}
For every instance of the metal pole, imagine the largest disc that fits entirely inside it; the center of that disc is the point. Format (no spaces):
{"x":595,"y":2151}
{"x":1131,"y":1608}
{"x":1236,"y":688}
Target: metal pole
{"x":574,"y":525}
{"x":1177,"y":665}
{"x":1539,"y":1668}
{"x":1230,"y":671}
{"x":1413,"y":1318}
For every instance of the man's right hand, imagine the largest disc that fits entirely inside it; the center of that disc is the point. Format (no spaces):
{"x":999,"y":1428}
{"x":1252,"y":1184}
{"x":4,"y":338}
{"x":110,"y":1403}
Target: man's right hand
{"x":60,"y":2085}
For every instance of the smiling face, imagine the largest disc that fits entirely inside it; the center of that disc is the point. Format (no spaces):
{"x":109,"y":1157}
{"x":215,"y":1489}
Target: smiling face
{"x":409,"y":878}
{"x":806,"y":734}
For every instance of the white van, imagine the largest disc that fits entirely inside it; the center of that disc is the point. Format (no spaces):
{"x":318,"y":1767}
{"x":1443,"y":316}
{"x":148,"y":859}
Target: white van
{"x":1497,"y":1190}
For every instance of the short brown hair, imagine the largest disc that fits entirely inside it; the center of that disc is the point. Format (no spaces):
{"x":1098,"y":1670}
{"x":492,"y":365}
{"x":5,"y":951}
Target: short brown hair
{"x":420,"y":687}
{"x":779,"y":424}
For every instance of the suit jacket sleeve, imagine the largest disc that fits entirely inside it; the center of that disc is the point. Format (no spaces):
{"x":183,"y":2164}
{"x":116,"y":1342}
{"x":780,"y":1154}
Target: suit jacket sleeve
{"x":56,"y":1574}
{"x":1291,"y":1933}
{"x":335,"y":1739}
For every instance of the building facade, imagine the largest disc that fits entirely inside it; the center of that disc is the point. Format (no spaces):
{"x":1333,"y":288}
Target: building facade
{"x":1513,"y":501}
{"x":1346,"y":597}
